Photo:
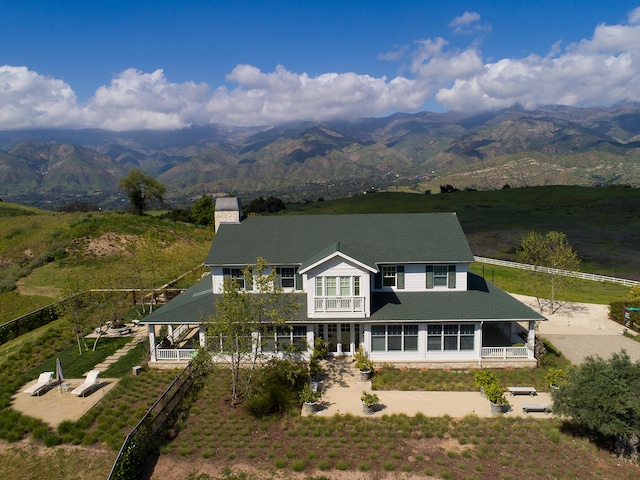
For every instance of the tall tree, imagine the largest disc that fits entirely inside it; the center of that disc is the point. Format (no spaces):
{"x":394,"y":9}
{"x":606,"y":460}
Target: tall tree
{"x":245,"y":316}
{"x":141,"y":189}
{"x":203,"y":211}
{"x":602,"y":396}
{"x":553,"y":251}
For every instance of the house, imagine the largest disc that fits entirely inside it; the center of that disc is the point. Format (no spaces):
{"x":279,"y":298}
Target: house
{"x":397,"y":284}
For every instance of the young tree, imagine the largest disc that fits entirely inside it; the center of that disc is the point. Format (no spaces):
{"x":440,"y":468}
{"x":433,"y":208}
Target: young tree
{"x":74,"y":309}
{"x":553,"y":251}
{"x":141,"y":189}
{"x":602,"y":395}
{"x":243,"y":318}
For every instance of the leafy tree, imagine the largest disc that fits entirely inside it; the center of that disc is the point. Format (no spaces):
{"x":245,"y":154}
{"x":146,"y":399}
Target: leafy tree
{"x":602,"y":396}
{"x":551,"y":250}
{"x":634,"y":293}
{"x":244,"y":318}
{"x":203,"y":211}
{"x":141,"y":189}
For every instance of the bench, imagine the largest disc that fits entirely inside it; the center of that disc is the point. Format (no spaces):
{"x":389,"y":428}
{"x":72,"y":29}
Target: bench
{"x":536,"y":407}
{"x":522,"y":391}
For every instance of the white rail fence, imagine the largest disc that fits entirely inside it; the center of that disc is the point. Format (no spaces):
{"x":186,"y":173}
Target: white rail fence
{"x":556,"y":271}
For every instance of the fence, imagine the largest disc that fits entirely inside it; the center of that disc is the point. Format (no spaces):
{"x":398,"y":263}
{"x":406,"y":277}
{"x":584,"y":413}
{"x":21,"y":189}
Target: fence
{"x":138,"y":443}
{"x":556,"y":271}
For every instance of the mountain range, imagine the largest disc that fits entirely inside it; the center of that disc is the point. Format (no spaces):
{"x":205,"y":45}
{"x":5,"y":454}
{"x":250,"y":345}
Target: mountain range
{"x":305,"y":160}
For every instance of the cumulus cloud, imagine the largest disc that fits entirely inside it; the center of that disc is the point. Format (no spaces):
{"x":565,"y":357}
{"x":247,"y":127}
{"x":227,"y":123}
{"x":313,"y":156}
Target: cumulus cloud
{"x":600,"y":70}
{"x":597,"y":71}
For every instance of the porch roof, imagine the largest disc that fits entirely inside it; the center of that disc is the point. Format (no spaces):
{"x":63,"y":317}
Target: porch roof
{"x":482,"y":302}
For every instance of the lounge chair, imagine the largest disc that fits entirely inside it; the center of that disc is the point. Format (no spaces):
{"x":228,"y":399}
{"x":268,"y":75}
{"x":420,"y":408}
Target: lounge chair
{"x":89,"y":384}
{"x":42,"y":385}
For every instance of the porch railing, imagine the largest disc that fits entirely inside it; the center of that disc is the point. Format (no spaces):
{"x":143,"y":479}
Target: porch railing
{"x":506,"y":352}
{"x":339,"y":304}
{"x":174,"y":354}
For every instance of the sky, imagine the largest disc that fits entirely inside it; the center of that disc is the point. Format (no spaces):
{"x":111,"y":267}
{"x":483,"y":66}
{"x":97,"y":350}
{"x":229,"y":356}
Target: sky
{"x":164,"y":64}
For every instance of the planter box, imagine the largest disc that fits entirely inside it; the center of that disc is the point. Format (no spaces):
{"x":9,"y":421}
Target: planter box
{"x":365,"y":375}
{"x":310,"y":408}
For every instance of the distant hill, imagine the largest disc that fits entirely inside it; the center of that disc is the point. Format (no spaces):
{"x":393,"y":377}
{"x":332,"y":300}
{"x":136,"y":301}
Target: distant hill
{"x":553,"y":145}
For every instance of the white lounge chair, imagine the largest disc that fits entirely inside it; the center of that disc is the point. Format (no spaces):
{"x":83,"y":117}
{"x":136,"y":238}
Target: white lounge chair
{"x":43,"y":383}
{"x":89,"y":384}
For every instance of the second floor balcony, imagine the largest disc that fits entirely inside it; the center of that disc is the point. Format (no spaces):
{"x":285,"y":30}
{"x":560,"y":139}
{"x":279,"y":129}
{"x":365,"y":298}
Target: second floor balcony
{"x":338,"y":304}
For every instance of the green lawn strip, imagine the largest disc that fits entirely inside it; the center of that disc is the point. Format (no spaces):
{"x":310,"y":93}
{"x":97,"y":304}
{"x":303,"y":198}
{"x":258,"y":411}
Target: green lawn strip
{"x":517,"y":281}
{"x":76,"y":365}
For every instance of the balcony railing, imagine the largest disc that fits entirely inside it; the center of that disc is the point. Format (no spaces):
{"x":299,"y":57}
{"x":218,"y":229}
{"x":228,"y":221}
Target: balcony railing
{"x":339,"y":304}
{"x":506,"y":352}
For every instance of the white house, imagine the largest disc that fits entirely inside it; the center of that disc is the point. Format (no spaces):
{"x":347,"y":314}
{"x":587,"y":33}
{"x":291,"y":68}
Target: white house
{"x":398,"y":284}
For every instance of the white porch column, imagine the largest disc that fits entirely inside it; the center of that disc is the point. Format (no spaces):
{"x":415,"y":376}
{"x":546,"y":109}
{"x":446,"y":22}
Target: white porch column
{"x":531,"y":338}
{"x":152,"y":342}
{"x":201,"y":336}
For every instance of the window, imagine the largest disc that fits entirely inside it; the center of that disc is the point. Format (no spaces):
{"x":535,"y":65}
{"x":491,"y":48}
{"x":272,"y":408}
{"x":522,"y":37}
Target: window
{"x":287,"y":277}
{"x":441,"y":276}
{"x":337,"y":286}
{"x":450,"y":337}
{"x":389,"y":276}
{"x":285,"y":336}
{"x":236,"y":275}
{"x":394,"y":338}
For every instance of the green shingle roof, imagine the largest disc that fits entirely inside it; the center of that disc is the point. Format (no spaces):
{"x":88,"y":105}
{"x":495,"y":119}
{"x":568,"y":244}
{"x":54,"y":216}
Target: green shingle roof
{"x":483,"y":301}
{"x":369,"y":238}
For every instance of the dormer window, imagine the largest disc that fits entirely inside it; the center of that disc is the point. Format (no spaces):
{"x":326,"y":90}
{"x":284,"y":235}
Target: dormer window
{"x":389,"y":276}
{"x":288,"y":277}
{"x":237,"y":276}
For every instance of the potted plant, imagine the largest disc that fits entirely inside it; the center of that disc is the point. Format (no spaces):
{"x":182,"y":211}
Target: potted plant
{"x":368,"y":402}
{"x":495,"y":394}
{"x":364,"y":364}
{"x":482,"y":378}
{"x":556,"y":377}
{"x":309,"y":398}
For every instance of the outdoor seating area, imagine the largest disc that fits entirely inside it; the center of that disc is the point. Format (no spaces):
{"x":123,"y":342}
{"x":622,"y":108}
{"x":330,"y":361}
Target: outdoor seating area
{"x":43,"y":383}
{"x":91,"y":382}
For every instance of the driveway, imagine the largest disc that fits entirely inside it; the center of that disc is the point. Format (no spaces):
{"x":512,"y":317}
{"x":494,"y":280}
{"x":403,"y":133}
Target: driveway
{"x":580,"y":330}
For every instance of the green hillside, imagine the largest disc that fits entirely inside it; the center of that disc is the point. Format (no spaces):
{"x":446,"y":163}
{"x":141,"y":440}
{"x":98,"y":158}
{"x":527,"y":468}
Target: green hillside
{"x":602,"y":224}
{"x":43,"y":253}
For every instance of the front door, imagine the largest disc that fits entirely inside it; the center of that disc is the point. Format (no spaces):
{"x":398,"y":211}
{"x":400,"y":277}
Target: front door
{"x":340,"y":337}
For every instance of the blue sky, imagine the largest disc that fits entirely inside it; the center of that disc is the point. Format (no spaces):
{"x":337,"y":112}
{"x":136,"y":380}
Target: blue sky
{"x":129,"y":64}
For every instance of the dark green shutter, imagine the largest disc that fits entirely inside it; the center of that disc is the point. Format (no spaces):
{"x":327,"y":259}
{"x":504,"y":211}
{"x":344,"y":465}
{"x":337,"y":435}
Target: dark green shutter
{"x":400,"y":277}
{"x":452,"y":276}
{"x":226,"y":272}
{"x":378,"y":279}
{"x":298,"y":280}
{"x":429,"y":276}
{"x":278,"y":277}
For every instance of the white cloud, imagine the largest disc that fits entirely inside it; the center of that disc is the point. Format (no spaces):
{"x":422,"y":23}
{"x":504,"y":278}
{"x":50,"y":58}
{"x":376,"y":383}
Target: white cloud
{"x":28,"y":99}
{"x":600,"y":70}
{"x":468,"y":22}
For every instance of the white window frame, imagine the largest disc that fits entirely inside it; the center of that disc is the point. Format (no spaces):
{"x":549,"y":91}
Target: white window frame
{"x":407,"y":333}
{"x":451,"y":337}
